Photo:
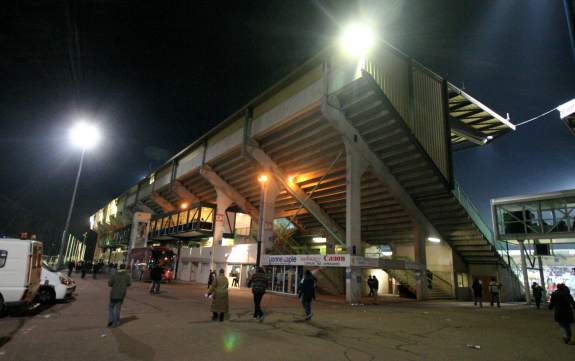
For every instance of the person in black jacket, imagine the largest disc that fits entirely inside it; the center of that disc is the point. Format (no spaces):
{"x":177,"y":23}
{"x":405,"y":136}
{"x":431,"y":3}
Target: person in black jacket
{"x":477,"y":292}
{"x":258,"y":282}
{"x":537,"y":294}
{"x":562,"y":302}
{"x":306,"y":292}
{"x":156,"y":276}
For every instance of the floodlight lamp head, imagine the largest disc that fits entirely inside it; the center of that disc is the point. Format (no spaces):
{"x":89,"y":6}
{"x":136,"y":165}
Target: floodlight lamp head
{"x":357,"y":39}
{"x":84,"y":135}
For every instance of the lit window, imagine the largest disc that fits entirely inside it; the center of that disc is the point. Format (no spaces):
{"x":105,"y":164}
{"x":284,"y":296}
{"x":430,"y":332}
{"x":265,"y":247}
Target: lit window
{"x":243,"y":223}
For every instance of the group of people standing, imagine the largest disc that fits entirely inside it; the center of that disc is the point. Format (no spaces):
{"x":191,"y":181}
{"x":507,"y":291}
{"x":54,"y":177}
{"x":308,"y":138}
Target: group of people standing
{"x":494,"y":292}
{"x":373,"y":285}
{"x":561,"y":302}
{"x":218,"y":292}
{"x":85,"y":267}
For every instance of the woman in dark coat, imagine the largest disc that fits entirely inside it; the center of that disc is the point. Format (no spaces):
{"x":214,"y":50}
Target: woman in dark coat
{"x":306,"y":292}
{"x":562,"y":302}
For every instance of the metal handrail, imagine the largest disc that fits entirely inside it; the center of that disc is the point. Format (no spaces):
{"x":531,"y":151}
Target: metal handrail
{"x":473,"y":212}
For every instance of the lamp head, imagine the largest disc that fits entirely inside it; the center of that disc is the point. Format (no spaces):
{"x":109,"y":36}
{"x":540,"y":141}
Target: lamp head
{"x":84,"y":135}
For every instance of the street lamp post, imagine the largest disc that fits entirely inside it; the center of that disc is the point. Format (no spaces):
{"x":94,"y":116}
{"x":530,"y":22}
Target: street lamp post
{"x":64,"y":241}
{"x":85,"y":136}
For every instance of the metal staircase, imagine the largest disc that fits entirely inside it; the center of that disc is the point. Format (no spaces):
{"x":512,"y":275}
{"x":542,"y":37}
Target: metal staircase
{"x":450,"y":211}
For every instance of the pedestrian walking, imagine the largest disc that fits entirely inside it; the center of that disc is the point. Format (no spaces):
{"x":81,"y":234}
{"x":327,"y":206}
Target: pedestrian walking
{"x":119,"y":282}
{"x":70,"y":268}
{"x":494,"y":290}
{"x":306,"y":292}
{"x":375,"y":283}
{"x":211,"y":278}
{"x":258,"y":282}
{"x":156,"y":277}
{"x":537,"y":293}
{"x":370,"y":285}
{"x":219,"y":293}
{"x":477,"y":292}
{"x":235,"y":279}
{"x":84,"y":269}
{"x":562,"y":302}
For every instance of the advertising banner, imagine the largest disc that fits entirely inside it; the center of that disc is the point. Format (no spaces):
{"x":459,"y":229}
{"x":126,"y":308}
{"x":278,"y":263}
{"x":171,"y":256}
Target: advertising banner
{"x":139,"y":232}
{"x":311,"y":260}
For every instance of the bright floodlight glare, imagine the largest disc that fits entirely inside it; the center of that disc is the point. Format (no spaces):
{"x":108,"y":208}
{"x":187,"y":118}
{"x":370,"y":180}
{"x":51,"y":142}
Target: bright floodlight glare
{"x":357,"y":39}
{"x":434,"y":239}
{"x":84,"y":135}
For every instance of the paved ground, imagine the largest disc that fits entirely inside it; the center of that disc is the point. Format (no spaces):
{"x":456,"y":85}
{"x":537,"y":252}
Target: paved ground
{"x":175,"y":325}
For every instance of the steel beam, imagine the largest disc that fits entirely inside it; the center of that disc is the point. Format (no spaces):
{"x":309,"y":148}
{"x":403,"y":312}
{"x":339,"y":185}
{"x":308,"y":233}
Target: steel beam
{"x":184,"y":193}
{"x":466,"y":131}
{"x":339,"y":121}
{"x":218,"y":183}
{"x":162,"y":202}
{"x":292,"y":188}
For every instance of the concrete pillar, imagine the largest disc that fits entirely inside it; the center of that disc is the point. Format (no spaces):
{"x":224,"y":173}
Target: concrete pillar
{"x":541,"y":275}
{"x":223,"y":202}
{"x":355,"y":167}
{"x":524,"y":268}
{"x":269,"y":190}
{"x":419,"y":241}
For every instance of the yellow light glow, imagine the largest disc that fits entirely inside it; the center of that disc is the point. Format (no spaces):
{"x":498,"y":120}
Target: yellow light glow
{"x":263,"y":178}
{"x":184,"y":206}
{"x":357,"y":39}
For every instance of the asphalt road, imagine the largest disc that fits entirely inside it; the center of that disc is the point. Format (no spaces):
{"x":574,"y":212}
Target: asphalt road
{"x":175,"y":325}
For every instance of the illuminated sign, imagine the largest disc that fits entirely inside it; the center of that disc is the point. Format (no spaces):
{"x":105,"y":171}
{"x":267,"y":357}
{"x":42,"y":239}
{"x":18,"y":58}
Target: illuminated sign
{"x":317,"y":260}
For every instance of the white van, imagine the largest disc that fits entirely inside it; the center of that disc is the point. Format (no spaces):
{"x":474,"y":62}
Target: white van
{"x":54,"y":286}
{"x":20,"y":270}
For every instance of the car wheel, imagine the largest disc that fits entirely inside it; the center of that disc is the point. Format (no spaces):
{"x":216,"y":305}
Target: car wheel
{"x":46,"y":296}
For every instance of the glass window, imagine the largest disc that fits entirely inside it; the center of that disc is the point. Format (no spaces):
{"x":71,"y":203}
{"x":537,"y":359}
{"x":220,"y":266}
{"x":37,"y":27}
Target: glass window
{"x":207,"y":214}
{"x":3,"y":256}
{"x":243,"y":224}
{"x":174,"y":220}
{"x":183,"y":218}
{"x":193,"y":215}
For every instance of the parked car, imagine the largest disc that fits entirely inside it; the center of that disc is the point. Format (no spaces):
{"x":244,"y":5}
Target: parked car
{"x":20,"y":271}
{"x":54,"y":286}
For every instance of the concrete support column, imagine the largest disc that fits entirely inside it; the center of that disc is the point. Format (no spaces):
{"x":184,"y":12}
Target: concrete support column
{"x":524,"y":268}
{"x":355,"y":167}
{"x":269,"y":190}
{"x":419,"y":241}
{"x":223,"y":202}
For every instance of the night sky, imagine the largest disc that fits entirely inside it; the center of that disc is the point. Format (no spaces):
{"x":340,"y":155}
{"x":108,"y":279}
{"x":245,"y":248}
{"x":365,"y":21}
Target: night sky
{"x":158,"y":76}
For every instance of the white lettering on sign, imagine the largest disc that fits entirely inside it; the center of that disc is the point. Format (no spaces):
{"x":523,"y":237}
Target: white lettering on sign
{"x":566,"y":109}
{"x":313,"y":260}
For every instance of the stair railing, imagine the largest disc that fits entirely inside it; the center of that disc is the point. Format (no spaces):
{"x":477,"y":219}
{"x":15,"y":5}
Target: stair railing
{"x":475,"y":216}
